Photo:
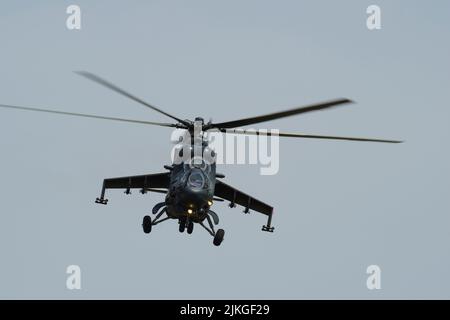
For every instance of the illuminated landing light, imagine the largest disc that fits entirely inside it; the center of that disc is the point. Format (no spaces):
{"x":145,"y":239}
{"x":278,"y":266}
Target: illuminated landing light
{"x":190,"y":211}
{"x":210,"y":203}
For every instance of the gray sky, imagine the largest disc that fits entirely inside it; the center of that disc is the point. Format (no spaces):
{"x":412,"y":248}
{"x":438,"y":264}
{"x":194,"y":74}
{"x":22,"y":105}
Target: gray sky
{"x":339,"y":206}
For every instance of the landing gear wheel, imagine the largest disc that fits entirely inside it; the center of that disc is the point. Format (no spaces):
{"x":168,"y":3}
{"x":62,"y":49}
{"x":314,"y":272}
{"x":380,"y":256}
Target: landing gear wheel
{"x":218,"y":238}
{"x":182,"y":223}
{"x":147,"y":224}
{"x":190,"y":227}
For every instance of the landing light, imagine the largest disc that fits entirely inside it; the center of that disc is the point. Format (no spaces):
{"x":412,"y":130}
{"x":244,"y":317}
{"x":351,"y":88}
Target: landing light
{"x":210,"y":203}
{"x":190,"y":211}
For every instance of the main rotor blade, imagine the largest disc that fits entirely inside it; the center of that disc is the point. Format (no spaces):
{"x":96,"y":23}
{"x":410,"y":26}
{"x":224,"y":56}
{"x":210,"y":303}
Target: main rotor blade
{"x":113,"y":87}
{"x":309,"y":136}
{"x":89,"y":116}
{"x":278,"y":115}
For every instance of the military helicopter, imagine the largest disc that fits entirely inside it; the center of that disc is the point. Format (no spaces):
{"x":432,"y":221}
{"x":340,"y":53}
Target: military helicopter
{"x":190,"y":186}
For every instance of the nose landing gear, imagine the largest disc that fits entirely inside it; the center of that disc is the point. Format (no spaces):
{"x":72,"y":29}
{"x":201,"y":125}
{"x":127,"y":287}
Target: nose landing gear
{"x":182,"y":223}
{"x":190,"y":227}
{"x":186,"y":224}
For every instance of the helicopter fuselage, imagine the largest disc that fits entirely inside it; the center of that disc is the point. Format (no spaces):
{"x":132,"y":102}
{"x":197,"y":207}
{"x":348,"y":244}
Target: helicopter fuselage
{"x":191,"y":190}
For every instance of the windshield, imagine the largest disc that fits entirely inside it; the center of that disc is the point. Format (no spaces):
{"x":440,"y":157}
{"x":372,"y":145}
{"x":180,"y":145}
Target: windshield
{"x":196,"y":179}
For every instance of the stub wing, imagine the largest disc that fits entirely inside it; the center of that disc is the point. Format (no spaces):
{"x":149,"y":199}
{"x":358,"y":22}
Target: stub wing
{"x":143,"y":182}
{"x":227,"y":192}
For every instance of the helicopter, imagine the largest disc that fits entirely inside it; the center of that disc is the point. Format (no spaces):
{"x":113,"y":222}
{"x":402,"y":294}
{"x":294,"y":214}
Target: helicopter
{"x":192,"y":184}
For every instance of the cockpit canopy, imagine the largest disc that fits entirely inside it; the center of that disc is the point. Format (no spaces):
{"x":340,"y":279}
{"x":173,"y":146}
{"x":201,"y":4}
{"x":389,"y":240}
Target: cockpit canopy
{"x":197,"y":175}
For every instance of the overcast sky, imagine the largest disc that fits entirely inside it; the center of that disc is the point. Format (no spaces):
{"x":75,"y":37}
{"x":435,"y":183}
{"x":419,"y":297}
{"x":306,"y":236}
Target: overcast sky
{"x":339,"y":206}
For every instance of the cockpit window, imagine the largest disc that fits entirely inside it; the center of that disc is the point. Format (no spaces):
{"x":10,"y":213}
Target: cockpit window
{"x":202,"y":165}
{"x":196,"y":179}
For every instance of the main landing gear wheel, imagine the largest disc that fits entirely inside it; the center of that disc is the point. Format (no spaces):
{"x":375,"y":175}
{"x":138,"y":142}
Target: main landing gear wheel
{"x":147,"y":224}
{"x":190,"y":227}
{"x":218,"y":238}
{"x":182,"y":223}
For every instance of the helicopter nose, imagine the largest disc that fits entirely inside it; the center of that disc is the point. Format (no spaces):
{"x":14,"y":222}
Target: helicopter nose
{"x":195,"y":199}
